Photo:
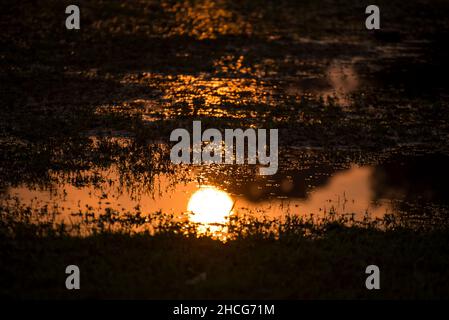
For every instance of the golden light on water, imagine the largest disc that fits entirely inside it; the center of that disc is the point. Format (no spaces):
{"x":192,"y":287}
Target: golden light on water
{"x":210,"y":205}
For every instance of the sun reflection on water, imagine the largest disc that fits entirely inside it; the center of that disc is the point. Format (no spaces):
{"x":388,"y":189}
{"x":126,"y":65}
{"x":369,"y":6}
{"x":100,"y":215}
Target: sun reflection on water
{"x":210,"y":205}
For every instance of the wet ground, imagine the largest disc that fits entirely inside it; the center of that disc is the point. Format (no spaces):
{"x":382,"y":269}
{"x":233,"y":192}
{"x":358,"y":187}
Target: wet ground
{"x":86,"y":115}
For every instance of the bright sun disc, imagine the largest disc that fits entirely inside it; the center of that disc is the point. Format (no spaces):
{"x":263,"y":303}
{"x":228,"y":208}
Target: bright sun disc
{"x":210,"y":205}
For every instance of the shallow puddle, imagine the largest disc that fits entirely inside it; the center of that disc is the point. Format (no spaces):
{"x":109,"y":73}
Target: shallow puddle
{"x":206,"y":196}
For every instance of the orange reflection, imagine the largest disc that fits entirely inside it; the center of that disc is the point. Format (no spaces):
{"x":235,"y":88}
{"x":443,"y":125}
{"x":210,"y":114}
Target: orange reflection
{"x":346,"y":192}
{"x":205,"y":19}
{"x":210,"y":205}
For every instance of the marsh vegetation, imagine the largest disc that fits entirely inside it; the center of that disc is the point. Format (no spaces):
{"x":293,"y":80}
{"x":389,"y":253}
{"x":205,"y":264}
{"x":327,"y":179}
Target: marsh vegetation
{"x":85,"y":170}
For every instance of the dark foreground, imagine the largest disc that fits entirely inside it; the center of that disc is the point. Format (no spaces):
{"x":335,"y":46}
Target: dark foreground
{"x":327,"y":264}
